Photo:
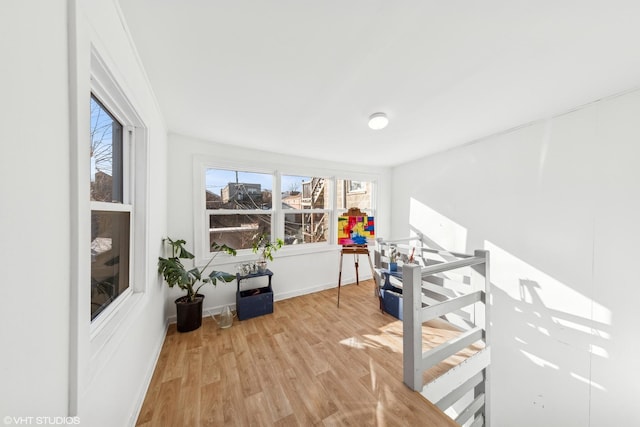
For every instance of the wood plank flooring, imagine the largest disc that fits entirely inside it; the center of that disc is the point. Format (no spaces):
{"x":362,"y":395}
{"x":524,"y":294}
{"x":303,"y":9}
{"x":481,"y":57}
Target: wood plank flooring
{"x":307,"y":364}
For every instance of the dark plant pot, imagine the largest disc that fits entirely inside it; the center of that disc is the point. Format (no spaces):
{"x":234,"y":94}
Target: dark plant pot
{"x":189,"y":313}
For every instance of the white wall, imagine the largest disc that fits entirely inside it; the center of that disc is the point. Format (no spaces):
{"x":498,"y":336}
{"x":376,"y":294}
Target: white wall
{"x":50,"y":364}
{"x":34,"y":213}
{"x":556,"y":202}
{"x":115,"y":366}
{"x":294,"y":273}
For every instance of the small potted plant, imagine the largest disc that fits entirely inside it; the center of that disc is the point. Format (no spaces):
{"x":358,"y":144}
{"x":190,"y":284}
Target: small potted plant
{"x":266,"y":247}
{"x":393,"y":258}
{"x":189,"y":306}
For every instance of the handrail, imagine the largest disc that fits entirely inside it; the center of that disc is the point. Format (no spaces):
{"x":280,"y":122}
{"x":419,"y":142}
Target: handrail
{"x":419,"y":237}
{"x":446,"y":253}
{"x":458,"y":382}
{"x":404,"y":239}
{"x":451,"y":265}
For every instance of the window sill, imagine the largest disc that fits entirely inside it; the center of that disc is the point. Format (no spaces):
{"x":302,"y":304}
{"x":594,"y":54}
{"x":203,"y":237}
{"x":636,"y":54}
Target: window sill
{"x":103,"y":329}
{"x":286,"y":251}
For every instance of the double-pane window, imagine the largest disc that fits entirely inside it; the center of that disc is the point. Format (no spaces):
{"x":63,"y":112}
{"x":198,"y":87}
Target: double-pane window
{"x":111,"y":209}
{"x":355,"y":194}
{"x":239,"y":206}
{"x":306,"y":207}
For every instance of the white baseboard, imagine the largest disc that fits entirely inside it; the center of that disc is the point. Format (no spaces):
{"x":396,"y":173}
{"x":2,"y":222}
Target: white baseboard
{"x":279,"y":296}
{"x":142,"y":393}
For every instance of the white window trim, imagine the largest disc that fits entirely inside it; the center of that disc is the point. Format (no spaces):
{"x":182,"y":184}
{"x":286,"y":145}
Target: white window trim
{"x":201,"y":214}
{"x":135,"y":200}
{"x":374,"y":191}
{"x":201,"y":163}
{"x":331,"y":187}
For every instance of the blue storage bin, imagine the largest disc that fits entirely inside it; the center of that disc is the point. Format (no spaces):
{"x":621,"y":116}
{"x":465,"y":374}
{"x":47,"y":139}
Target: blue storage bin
{"x":254,"y":302}
{"x":392,"y":303}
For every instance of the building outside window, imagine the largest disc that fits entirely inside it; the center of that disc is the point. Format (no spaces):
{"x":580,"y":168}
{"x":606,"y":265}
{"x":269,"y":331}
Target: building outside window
{"x":356,"y":186}
{"x":238,"y":205}
{"x":241,"y":205}
{"x":307,"y":209}
{"x":355,"y":194}
{"x":111,"y":208}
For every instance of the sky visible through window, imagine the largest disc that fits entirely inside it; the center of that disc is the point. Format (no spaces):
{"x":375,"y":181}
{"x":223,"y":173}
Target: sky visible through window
{"x":217,"y":179}
{"x":101,"y":140}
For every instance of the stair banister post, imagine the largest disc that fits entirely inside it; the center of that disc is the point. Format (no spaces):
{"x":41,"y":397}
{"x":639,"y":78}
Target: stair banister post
{"x":481,"y":273}
{"x":412,"y":326}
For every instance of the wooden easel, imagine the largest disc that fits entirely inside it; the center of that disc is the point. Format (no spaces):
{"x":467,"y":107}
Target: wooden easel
{"x":356,"y":250}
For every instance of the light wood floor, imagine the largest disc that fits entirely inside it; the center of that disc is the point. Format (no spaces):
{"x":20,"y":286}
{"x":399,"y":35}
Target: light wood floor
{"x":309,"y":363}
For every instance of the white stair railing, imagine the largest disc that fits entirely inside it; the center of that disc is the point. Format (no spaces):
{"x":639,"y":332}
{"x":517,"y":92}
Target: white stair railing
{"x":465,"y":384}
{"x":439,"y":289}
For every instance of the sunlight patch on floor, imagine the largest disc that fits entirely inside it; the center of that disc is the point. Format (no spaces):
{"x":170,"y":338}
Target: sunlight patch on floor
{"x":353,"y":342}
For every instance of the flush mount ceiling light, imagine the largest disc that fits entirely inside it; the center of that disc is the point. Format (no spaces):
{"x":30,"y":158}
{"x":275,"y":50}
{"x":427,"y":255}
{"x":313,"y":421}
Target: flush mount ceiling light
{"x":378,"y":121}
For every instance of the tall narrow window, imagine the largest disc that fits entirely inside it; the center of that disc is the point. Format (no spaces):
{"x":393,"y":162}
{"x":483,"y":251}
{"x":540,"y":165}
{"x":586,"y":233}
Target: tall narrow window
{"x":111,"y":209}
{"x":306,"y":205}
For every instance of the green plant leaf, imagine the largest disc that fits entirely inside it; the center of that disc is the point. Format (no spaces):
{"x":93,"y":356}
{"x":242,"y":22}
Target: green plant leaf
{"x":197,"y":274}
{"x":178,"y":249}
{"x":223,"y":248}
{"x":221,"y":275}
{"x":175,"y":273}
{"x":266,"y":248}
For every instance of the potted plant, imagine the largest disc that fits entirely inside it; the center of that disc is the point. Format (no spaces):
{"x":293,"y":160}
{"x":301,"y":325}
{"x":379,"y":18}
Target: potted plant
{"x":393,"y":258}
{"x":189,"y":306}
{"x":266,"y":248}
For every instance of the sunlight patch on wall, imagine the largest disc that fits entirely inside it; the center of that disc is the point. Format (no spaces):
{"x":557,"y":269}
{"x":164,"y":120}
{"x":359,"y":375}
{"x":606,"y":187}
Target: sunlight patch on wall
{"x":539,"y":361}
{"x":527,"y":284}
{"x":598,"y":351}
{"x":438,"y":230}
{"x":588,"y":381}
{"x":579,"y":327}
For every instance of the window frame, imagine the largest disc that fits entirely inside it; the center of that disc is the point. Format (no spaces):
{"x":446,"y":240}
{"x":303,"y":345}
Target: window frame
{"x":200,"y":165}
{"x":371,"y":211}
{"x":202,"y":214}
{"x":329,"y":186}
{"x":126,"y":204}
{"x":104,"y":87}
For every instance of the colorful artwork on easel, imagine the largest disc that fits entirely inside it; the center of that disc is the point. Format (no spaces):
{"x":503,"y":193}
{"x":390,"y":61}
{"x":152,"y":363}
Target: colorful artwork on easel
{"x":355,"y":230}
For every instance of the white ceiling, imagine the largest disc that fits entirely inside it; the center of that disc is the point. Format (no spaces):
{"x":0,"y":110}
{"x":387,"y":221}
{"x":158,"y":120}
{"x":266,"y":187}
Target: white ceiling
{"x":301,"y":77}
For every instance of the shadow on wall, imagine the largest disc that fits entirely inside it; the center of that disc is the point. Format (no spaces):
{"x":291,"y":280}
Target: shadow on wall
{"x":544,"y":355}
{"x":438,"y":230}
{"x":544,"y":333}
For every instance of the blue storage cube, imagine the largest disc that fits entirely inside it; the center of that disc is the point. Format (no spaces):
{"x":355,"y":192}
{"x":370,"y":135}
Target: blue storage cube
{"x":391,"y":297}
{"x":392,"y":303}
{"x":254,"y":302}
